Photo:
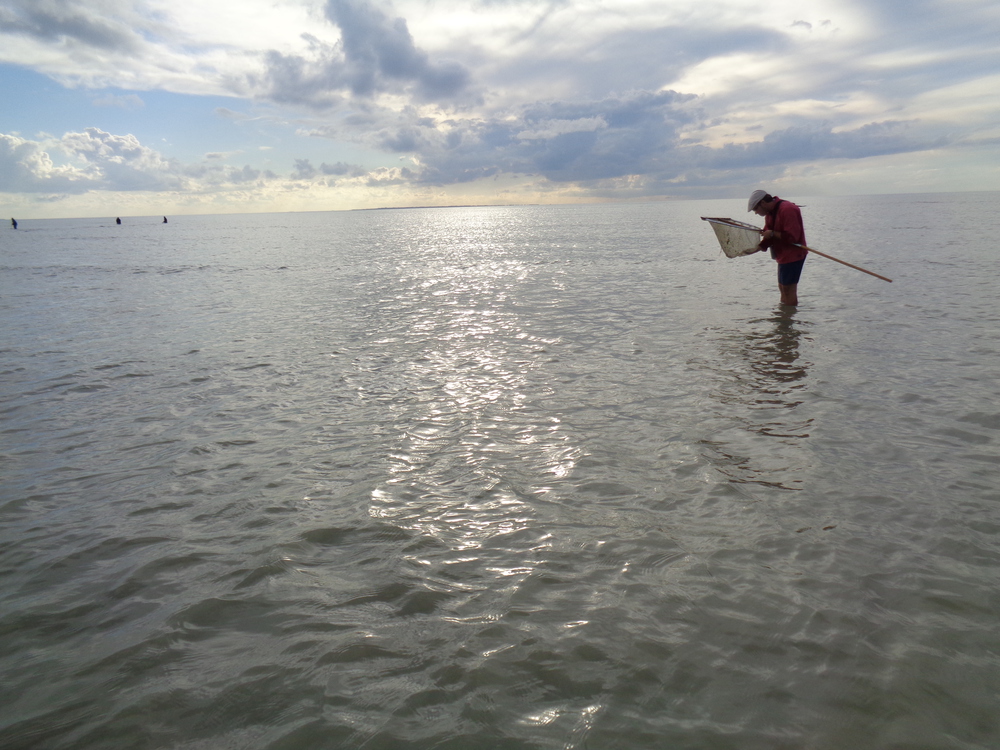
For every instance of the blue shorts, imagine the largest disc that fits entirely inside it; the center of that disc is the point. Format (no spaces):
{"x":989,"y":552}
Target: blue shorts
{"x":788,"y":273}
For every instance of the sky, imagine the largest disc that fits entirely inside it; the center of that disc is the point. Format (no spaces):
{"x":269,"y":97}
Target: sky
{"x":148,"y":107}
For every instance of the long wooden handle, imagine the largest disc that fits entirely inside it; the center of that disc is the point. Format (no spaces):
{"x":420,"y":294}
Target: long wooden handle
{"x":730,"y":222}
{"x":849,"y":265}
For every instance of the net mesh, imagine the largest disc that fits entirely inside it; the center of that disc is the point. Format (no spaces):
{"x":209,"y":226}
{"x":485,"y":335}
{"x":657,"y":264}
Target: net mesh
{"x":736,"y":237}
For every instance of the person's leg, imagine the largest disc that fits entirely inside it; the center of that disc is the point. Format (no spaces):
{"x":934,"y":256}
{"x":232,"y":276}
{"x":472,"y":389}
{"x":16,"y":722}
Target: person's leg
{"x":788,"y":282}
{"x":789,"y":294}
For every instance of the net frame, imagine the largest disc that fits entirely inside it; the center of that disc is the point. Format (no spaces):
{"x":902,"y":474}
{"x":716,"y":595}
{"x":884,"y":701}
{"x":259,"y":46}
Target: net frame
{"x":736,"y":238}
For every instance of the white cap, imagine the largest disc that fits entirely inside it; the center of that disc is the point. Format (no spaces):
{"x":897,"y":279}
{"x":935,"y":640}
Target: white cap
{"x":755,"y":197}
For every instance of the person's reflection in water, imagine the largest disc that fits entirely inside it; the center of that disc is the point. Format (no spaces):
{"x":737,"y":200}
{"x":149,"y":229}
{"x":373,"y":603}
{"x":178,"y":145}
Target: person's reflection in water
{"x":773,"y":357}
{"x":764,"y":430}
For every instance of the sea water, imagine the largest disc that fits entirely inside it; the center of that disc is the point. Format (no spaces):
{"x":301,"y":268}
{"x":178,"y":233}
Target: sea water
{"x":507,"y":477}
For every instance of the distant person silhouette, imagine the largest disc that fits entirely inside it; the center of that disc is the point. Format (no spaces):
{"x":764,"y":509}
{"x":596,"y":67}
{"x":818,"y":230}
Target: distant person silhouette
{"x":118,"y":220}
{"x":13,"y":222}
{"x":164,"y":219}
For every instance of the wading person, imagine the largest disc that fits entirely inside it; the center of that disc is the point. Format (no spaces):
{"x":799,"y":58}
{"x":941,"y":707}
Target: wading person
{"x":782,"y":232}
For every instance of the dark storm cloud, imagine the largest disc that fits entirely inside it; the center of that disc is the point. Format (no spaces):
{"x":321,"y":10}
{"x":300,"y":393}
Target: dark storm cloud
{"x":59,"y":20}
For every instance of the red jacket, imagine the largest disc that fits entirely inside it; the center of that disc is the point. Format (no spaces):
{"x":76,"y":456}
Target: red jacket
{"x":787,"y":219}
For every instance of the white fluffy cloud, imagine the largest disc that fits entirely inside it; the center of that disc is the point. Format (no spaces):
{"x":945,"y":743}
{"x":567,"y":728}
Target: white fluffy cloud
{"x":95,"y":160}
{"x":120,"y":161}
{"x":26,"y":167}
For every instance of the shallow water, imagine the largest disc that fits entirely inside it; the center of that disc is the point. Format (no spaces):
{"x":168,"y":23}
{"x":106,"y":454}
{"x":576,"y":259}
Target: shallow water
{"x":529,"y":477}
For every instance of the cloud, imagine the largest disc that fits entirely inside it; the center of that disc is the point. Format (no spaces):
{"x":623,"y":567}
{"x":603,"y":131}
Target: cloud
{"x":25,"y":167}
{"x":316,"y":81}
{"x":640,"y":136}
{"x":303,"y":170}
{"x":94,"y":160}
{"x":635,"y":58}
{"x":818,"y":142}
{"x":560,"y":140}
{"x":122,"y":162}
{"x":378,"y":49}
{"x":578,"y":96}
{"x":67,"y":22}
{"x":341,"y":169}
{"x":552,"y":128}
{"x":376,"y":55}
{"x":653,"y":134}
{"x":240,"y":176}
{"x":385,"y":176}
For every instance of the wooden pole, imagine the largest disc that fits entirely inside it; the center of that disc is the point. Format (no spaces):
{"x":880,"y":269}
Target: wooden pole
{"x":742,"y":225}
{"x":849,"y":265}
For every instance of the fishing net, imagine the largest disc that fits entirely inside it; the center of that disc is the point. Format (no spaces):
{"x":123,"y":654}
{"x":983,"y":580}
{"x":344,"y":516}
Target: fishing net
{"x":736,"y":237}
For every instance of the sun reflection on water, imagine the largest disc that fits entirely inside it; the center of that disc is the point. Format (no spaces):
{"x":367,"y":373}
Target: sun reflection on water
{"x":471,"y":453}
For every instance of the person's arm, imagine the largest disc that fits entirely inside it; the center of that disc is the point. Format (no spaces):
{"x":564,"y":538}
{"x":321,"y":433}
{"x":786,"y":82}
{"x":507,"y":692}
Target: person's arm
{"x":768,"y":237}
{"x":786,"y":228}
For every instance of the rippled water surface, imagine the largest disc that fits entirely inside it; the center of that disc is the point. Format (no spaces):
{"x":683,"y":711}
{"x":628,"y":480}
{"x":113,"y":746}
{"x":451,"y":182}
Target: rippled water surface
{"x":529,"y":477}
